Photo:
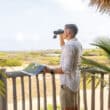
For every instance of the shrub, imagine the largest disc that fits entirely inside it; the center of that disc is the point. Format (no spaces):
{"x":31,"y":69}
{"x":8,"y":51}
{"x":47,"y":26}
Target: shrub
{"x":10,"y":62}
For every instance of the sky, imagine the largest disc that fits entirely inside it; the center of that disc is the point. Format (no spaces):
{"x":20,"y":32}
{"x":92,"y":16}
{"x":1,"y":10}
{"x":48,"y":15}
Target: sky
{"x":29,"y":24}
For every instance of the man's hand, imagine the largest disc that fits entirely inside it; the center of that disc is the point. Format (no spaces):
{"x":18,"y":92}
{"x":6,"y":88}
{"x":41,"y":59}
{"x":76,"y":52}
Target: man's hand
{"x":62,"y":43}
{"x":47,"y":69}
{"x":57,"y":70}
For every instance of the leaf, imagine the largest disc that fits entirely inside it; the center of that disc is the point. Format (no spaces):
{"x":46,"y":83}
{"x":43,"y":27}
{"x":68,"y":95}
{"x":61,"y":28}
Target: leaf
{"x":2,"y":85}
{"x":104,"y":44}
{"x":96,"y":64}
{"x":97,"y":84}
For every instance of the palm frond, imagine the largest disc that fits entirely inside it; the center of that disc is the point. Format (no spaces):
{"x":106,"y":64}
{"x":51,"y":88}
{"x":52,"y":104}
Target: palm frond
{"x":95,"y":64}
{"x":2,"y":85}
{"x":104,"y":44}
{"x":102,"y":5}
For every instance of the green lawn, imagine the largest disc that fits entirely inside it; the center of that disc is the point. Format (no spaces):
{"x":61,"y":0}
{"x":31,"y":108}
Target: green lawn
{"x":50,"y":107}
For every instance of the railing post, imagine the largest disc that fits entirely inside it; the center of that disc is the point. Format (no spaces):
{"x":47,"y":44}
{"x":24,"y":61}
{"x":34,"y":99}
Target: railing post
{"x":84,"y":92}
{"x":54,"y":92}
{"x":45,"y":96}
{"x":93,"y":92}
{"x":3,"y":98}
{"x":102,"y":92}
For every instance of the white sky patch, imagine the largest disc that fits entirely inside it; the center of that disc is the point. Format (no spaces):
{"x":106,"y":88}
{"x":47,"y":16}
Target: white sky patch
{"x":71,"y":5}
{"x":36,"y":37}
{"x":33,"y":37}
{"x":28,"y":12}
{"x":19,"y":37}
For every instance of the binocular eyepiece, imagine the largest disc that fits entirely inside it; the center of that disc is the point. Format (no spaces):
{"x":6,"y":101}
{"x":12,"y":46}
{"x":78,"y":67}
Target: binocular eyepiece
{"x":59,"y":31}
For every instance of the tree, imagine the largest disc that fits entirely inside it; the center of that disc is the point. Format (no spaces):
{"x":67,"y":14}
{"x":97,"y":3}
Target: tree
{"x":102,"y":5}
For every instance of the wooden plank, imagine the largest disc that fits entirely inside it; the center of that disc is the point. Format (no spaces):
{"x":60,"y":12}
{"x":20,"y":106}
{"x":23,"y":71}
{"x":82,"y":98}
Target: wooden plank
{"x":79,"y":99}
{"x":23,"y":93}
{"x":93,"y":93}
{"x":5,"y":97}
{"x":14,"y":94}
{"x":54,"y":92}
{"x":30,"y":93}
{"x":83,"y":70}
{"x":84,"y":92}
{"x":75,"y":99}
{"x":38,"y":93}
{"x":44,"y":89}
{"x":102,"y":92}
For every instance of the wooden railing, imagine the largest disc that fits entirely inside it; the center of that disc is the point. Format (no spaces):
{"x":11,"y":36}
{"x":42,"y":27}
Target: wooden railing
{"x":89,"y":98}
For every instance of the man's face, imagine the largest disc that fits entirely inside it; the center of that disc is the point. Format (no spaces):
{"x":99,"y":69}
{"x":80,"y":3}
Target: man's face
{"x":68,"y":33}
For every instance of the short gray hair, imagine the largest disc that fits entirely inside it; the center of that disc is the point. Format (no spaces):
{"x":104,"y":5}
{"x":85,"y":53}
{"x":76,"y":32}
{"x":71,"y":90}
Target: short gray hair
{"x":73,"y":27}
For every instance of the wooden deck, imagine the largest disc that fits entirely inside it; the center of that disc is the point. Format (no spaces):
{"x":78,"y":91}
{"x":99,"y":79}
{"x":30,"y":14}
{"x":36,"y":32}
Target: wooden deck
{"x":90,"y":98}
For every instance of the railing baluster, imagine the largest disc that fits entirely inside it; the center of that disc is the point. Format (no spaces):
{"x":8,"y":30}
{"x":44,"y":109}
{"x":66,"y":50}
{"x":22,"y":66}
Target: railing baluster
{"x":30,"y":93}
{"x":102,"y":92}
{"x":5,"y":100}
{"x":38,"y":93}
{"x":93,"y":92}
{"x":54,"y":92}
{"x":14,"y":93}
{"x":44,"y":88}
{"x":109,"y":94}
{"x":84,"y":92}
{"x":23,"y":93}
{"x":79,"y":99}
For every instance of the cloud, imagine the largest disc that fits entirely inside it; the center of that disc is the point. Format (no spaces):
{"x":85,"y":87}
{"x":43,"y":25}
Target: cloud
{"x":71,"y":5}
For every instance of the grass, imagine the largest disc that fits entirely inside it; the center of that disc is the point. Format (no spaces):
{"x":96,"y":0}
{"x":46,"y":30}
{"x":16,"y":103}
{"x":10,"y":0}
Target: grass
{"x":50,"y":107}
{"x":49,"y":57}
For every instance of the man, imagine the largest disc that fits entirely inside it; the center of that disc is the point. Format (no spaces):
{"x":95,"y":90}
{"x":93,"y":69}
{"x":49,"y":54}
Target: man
{"x":69,"y":67}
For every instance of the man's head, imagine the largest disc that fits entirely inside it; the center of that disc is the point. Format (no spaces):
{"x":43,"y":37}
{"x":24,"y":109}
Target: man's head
{"x":70,"y":31}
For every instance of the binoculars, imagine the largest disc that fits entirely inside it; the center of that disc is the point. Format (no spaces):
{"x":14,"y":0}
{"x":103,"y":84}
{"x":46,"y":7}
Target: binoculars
{"x":57,"y":32}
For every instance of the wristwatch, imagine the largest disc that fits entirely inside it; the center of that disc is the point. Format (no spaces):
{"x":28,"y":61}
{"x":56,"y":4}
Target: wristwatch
{"x":51,"y":71}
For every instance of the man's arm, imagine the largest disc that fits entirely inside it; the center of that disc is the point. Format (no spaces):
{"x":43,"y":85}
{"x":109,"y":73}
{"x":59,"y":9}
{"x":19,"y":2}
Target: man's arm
{"x":61,"y":39}
{"x":57,"y":70}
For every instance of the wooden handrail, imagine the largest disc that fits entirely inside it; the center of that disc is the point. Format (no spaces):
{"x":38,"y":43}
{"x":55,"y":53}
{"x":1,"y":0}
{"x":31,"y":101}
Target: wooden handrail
{"x":93,"y":71}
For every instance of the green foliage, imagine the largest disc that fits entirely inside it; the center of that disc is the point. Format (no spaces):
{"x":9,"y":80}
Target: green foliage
{"x":10,"y":62}
{"x":96,"y":64}
{"x":93,"y":52}
{"x":57,"y":52}
{"x":53,"y":61}
{"x":89,"y":81}
{"x":35,"y":54}
{"x":2,"y":54}
{"x":104,"y":44}
{"x":50,"y":107}
{"x":2,"y":85}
